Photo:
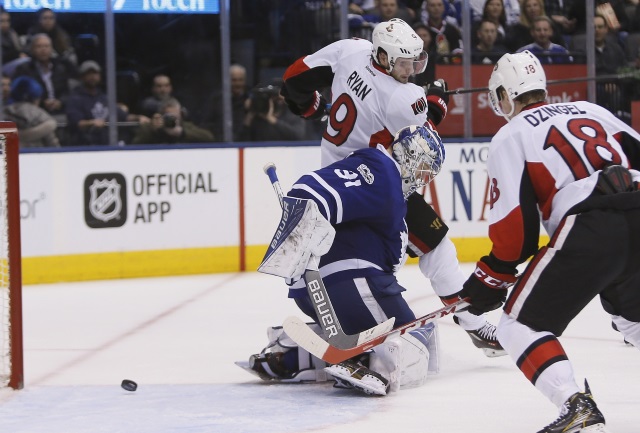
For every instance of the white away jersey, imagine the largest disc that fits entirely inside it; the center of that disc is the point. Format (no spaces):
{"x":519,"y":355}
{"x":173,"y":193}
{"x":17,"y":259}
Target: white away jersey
{"x":368,"y":106}
{"x":542,"y":163}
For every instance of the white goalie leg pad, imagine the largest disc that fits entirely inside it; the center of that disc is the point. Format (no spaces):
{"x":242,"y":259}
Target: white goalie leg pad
{"x":429,"y":335}
{"x":310,"y":368}
{"x":629,"y":330}
{"x":303,"y":232}
{"x":403,"y":360}
{"x":385,"y":360}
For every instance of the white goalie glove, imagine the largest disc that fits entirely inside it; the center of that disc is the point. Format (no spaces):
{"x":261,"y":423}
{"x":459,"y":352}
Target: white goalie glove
{"x":303,"y":233}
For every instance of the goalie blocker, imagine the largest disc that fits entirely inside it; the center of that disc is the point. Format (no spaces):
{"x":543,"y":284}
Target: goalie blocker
{"x":303,"y":233}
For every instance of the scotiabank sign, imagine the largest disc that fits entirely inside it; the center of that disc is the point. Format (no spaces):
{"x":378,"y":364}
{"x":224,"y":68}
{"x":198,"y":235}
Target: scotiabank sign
{"x":485,"y":122}
{"x":119,"y":6}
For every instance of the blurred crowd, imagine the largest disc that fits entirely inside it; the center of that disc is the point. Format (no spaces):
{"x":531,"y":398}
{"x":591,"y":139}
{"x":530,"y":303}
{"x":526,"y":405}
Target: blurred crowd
{"x":554,"y":30}
{"x":56,"y":95}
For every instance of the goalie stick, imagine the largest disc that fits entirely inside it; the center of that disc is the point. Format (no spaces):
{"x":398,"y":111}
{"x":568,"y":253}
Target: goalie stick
{"x":327,"y":318}
{"x":306,"y":338}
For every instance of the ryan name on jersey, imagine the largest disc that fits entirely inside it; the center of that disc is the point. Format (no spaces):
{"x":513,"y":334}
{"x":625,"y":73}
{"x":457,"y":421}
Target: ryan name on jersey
{"x":358,"y":86}
{"x":542,"y":114}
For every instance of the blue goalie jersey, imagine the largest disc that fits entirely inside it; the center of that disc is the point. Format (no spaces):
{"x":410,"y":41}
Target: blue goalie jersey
{"x":362,"y":197}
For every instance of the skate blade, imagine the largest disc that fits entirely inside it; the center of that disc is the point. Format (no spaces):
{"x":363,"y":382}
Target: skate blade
{"x":367,"y":388}
{"x":246,"y":367}
{"x":596,"y":428}
{"x":493,"y":353}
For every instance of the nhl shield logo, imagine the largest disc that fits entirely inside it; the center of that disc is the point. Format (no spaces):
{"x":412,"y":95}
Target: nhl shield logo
{"x":105,"y":200}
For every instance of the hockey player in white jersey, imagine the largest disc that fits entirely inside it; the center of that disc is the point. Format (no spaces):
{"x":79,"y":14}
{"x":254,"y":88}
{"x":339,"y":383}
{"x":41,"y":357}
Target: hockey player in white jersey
{"x":567,"y":166}
{"x":371,"y":99}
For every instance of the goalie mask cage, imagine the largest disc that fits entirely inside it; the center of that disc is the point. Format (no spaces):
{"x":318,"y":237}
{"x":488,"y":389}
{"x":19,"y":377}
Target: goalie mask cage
{"x":11,"y":351}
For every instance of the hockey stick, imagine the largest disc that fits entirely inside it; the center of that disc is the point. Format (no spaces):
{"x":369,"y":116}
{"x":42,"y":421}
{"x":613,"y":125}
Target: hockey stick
{"x":325,"y":312}
{"x":461,"y":90}
{"x":318,"y":347}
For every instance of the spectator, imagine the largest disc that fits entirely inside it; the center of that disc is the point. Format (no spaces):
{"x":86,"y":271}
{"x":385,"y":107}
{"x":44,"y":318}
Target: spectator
{"x":519,"y":34}
{"x":493,"y":11}
{"x":452,"y":12}
{"x":609,"y":55}
{"x":36,"y":127}
{"x":609,"y":58}
{"x":168,"y":126}
{"x":50,"y":72}
{"x":487,"y":51}
{"x":542,"y":47}
{"x":12,"y":48}
{"x":448,"y":40}
{"x":511,"y":9}
{"x":613,"y":10}
{"x":6,"y":89}
{"x":161,"y":90}
{"x":264,"y":120}
{"x":384,"y":10}
{"x":213,"y":117}
{"x":87,"y":110}
{"x":387,"y":9}
{"x":429,"y":74}
{"x":60,"y":39}
{"x":556,"y":10}
{"x":362,"y":7}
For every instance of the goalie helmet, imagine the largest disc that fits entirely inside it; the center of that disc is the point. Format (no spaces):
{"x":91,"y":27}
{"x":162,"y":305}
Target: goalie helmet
{"x":398,"y":40}
{"x":420,"y":153}
{"x":517,"y":74}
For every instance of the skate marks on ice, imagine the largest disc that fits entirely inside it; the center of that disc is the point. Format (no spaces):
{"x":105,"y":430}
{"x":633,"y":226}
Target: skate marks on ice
{"x":254,"y":407}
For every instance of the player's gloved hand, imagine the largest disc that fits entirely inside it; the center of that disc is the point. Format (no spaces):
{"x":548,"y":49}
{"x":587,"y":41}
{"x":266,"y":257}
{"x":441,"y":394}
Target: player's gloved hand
{"x":317,"y":109}
{"x":486,"y":289}
{"x":437,"y":100}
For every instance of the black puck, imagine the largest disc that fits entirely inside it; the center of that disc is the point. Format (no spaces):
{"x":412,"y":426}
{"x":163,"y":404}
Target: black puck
{"x":129,"y":385}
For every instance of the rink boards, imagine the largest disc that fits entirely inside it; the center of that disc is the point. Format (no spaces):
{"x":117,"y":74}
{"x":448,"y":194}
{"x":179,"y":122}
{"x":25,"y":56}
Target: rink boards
{"x":174,"y":211}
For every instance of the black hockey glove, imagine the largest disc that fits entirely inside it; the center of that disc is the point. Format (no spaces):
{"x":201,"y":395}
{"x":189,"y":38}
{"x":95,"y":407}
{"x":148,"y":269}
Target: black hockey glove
{"x":317,"y":110}
{"x":486,"y":288}
{"x":437,"y":100}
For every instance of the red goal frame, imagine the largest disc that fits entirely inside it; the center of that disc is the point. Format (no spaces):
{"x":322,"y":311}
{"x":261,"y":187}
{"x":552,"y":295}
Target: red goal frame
{"x":12,"y":215}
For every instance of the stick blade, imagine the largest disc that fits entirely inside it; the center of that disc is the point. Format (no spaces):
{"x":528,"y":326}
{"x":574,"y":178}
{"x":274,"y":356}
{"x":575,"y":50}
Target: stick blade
{"x":376,"y":331}
{"x":300,"y":332}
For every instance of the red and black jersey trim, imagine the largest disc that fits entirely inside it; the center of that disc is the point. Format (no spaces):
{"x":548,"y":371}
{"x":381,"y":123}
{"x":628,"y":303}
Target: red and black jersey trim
{"x":301,"y":83}
{"x":539,"y":356}
{"x":631,"y":148}
{"x":426,"y":229}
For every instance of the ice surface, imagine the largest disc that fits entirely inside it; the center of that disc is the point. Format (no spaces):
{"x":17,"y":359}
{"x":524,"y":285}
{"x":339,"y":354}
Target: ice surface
{"x":178,"y":338}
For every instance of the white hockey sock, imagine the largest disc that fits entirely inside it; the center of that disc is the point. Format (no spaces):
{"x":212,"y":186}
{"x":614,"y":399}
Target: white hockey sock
{"x":470,"y":322}
{"x":556,"y":382}
{"x":630,"y":330}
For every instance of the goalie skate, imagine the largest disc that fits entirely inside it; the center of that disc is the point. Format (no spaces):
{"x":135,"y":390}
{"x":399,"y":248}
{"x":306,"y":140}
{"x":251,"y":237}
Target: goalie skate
{"x":579,"y":414}
{"x":269,"y":367}
{"x":484,"y":338}
{"x":349,"y":374}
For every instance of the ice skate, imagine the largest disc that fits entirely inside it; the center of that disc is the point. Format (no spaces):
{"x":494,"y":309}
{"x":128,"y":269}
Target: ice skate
{"x":267,"y":366}
{"x":579,"y":414}
{"x":485,"y":338}
{"x":349,"y":374}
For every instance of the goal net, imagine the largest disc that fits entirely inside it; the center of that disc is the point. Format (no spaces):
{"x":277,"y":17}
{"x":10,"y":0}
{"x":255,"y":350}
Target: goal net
{"x":11,"y":362}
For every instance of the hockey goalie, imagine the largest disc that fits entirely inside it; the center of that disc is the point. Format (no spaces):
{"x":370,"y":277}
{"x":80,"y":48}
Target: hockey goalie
{"x":350,"y":216}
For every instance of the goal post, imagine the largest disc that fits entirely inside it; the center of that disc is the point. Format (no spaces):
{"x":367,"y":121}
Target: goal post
{"x":11,"y":348}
